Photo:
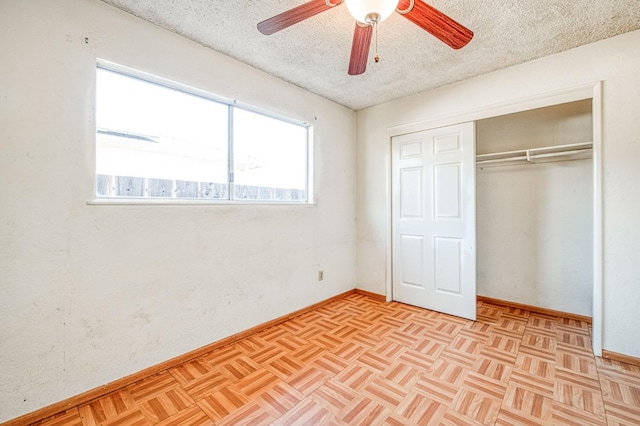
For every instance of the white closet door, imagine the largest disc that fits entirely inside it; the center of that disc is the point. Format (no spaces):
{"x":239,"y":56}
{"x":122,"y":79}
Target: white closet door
{"x":434,"y":259}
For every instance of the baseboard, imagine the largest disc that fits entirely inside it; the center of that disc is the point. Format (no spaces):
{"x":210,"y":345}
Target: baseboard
{"x":536,"y":309}
{"x":100,"y":391}
{"x":614,"y":356}
{"x":376,"y":296}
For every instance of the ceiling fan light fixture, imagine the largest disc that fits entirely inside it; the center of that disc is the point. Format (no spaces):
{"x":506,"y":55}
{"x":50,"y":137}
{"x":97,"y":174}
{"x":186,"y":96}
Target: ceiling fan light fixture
{"x":369,"y":11}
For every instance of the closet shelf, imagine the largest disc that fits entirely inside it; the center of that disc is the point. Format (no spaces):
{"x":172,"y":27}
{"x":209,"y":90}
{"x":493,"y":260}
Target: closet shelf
{"x":573,"y":151}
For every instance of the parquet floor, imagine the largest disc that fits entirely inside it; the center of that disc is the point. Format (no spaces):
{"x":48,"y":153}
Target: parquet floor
{"x":358,"y":361}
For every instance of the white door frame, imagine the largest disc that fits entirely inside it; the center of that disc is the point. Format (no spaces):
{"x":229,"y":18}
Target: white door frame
{"x":591,"y":91}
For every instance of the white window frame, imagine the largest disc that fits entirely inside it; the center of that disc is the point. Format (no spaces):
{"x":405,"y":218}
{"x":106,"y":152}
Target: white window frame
{"x":231,"y":104}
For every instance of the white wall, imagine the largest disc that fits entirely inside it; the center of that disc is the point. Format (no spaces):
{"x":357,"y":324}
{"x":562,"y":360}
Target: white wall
{"x":534,"y":235}
{"x":534,"y":222}
{"x":92,"y":293}
{"x":616,"y":62}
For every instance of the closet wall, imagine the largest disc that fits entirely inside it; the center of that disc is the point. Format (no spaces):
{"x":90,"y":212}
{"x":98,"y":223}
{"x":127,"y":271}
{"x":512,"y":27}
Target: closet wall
{"x":535,"y":220}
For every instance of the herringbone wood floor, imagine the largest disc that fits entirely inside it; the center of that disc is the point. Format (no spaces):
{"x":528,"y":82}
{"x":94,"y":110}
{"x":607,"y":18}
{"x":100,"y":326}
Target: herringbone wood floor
{"x":358,"y":361}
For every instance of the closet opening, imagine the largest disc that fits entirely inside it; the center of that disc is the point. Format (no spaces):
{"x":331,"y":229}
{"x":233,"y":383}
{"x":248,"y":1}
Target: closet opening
{"x":535,"y":207}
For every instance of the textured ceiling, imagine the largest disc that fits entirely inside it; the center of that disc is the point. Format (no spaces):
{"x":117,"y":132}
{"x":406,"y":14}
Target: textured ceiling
{"x":314,"y":54}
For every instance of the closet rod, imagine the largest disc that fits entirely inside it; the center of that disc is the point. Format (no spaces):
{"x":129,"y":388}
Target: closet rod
{"x":532,"y":154}
{"x":560,"y":153}
{"x":508,"y":154}
{"x":502,"y":160}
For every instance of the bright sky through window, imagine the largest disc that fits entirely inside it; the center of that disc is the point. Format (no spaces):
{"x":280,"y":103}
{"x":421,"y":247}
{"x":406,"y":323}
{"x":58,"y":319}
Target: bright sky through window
{"x":149,"y":131}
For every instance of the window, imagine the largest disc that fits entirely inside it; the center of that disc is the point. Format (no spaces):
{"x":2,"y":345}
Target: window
{"x":269,"y":160}
{"x":159,"y":142}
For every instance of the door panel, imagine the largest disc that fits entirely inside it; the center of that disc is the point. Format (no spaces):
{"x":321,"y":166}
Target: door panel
{"x":446,"y":143}
{"x":433,"y":184}
{"x":447,"y":191}
{"x":448,"y":256}
{"x":411,"y":149}
{"x":410,"y":183}
{"x":412,"y":267}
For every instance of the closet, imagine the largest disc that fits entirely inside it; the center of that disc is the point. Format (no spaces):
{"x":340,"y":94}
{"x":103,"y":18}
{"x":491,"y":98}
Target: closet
{"x":534,"y":207}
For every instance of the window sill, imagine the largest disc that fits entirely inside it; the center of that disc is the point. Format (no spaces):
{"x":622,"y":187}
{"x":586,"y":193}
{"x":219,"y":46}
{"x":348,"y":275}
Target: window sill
{"x":189,"y":202}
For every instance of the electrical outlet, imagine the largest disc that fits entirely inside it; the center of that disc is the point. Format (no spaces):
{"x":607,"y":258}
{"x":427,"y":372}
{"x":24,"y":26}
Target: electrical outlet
{"x":320,"y":275}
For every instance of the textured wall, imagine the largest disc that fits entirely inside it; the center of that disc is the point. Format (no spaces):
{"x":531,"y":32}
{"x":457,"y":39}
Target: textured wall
{"x":91,"y":293}
{"x":614,"y":61}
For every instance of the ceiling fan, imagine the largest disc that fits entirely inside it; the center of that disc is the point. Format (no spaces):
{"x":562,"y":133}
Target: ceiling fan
{"x":369,"y":13}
